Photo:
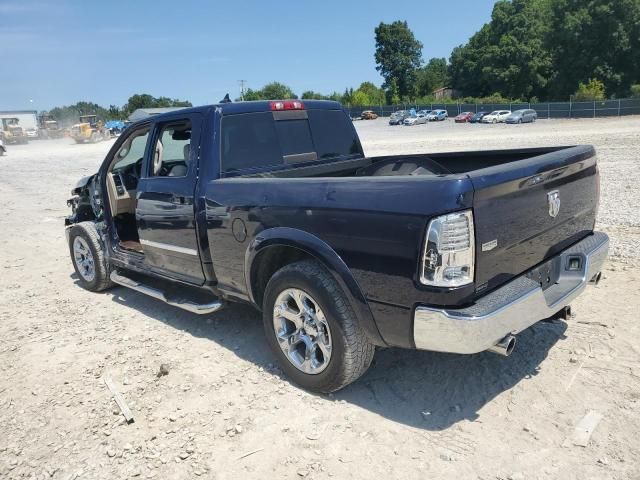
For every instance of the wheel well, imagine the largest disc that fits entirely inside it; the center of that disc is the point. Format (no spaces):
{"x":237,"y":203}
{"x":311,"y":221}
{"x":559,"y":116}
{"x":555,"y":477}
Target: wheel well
{"x":268,"y":262}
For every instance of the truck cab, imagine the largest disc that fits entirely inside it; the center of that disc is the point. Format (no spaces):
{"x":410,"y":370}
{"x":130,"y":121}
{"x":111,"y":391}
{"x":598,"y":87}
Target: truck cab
{"x":275,"y":204}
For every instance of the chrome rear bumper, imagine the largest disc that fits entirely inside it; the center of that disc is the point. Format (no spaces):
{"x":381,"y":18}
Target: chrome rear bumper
{"x":511,"y":308}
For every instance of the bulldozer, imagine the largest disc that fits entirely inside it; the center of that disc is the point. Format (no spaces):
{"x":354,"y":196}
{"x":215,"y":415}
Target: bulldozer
{"x":90,"y":129}
{"x":12,"y":132}
{"x":49,"y":127}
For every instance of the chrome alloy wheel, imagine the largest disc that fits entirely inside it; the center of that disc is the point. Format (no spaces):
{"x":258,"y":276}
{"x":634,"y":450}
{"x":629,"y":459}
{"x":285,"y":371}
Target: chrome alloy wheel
{"x":84,"y":259}
{"x":302,"y":331}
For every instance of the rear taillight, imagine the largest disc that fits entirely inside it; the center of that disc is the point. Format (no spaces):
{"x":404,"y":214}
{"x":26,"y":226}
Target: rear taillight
{"x":287,"y":105}
{"x":449,"y":251}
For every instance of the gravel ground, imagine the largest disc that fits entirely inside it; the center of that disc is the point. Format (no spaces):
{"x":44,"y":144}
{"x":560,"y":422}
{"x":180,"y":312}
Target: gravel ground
{"x":224,"y":411}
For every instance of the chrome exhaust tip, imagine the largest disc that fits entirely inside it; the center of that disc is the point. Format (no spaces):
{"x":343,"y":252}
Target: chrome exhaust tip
{"x":505,"y":346}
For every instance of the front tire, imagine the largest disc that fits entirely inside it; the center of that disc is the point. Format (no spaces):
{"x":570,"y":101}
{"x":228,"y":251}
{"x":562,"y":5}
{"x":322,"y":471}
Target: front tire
{"x":313,"y":330}
{"x":87,"y":255}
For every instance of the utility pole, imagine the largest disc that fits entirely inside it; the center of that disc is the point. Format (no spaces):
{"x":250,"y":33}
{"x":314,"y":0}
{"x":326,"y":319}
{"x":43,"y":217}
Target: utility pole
{"x":242,"y":83}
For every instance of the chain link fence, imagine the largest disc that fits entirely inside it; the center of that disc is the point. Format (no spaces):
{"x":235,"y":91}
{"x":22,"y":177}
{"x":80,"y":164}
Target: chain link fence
{"x":606,"y":108}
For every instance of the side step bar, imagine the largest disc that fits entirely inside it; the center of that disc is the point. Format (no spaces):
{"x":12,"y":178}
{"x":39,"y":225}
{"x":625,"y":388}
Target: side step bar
{"x":188,"y":305}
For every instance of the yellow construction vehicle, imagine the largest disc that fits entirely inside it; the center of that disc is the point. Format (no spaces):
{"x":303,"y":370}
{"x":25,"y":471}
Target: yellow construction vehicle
{"x":49,"y":127}
{"x":12,"y":132}
{"x":90,"y":129}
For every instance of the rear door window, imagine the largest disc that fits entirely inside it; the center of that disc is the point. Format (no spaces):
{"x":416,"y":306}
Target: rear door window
{"x":266,"y":139}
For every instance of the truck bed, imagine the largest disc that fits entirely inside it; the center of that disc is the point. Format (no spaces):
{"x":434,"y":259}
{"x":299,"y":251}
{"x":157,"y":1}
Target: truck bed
{"x":419,"y":164}
{"x":508,"y":190}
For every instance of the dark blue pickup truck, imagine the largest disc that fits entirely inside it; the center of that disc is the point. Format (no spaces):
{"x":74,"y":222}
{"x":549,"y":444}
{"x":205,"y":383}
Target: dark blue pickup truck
{"x":275,"y":204}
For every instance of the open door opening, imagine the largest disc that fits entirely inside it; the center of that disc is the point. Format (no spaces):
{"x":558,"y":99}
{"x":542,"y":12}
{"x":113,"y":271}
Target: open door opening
{"x":123,"y":176}
{"x":169,"y":158}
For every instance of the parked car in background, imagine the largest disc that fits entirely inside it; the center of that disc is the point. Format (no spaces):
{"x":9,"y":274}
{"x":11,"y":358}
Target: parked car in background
{"x":368,"y":115}
{"x":477,"y":117}
{"x":497,"y":116}
{"x":32,"y":133}
{"x":437,"y":115}
{"x":417,"y":119}
{"x":464,"y":117}
{"x":398,"y":117}
{"x":522,"y":116}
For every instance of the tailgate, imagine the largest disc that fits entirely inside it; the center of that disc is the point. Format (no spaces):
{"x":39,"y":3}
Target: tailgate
{"x":529,"y":210}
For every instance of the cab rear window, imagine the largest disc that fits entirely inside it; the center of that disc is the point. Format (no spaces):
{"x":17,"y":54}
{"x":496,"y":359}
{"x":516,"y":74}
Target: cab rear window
{"x":264,"y":140}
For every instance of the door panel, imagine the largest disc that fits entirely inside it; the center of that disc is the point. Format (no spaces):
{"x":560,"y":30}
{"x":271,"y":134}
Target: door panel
{"x":165,"y":212}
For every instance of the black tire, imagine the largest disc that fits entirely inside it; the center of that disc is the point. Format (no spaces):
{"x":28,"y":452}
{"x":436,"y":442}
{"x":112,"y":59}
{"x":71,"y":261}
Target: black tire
{"x":351,"y":352}
{"x":88,"y":234}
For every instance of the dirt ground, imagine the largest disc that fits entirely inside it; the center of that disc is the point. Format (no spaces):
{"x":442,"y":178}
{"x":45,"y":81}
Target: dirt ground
{"x":225,"y":412}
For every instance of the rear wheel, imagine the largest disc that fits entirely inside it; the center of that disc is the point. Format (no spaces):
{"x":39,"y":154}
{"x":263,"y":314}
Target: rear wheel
{"x":88,"y":257}
{"x":313,"y":330}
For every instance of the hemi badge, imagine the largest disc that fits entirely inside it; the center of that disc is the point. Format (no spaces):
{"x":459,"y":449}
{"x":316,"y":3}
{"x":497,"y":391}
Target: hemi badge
{"x":489,"y":245}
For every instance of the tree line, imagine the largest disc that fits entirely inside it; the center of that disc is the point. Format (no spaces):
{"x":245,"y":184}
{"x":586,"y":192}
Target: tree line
{"x":70,"y":113}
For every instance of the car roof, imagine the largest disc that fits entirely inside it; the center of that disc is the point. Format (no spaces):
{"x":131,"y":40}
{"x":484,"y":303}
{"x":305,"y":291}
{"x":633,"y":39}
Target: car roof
{"x":241,"y":107}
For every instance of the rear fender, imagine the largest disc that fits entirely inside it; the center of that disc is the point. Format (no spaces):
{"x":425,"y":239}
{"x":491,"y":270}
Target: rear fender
{"x":321,"y":251}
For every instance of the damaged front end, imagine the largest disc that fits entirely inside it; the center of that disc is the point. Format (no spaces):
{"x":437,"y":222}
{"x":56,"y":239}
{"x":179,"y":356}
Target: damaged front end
{"x":85,"y":202}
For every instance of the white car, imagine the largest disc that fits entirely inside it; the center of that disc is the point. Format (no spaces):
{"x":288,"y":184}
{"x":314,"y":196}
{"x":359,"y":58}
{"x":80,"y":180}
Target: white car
{"x":418,"y":119}
{"x":497,"y":116}
{"x":32,"y":133}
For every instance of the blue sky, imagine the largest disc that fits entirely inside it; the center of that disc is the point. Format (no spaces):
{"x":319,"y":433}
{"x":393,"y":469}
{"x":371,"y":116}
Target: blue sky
{"x":63,"y":51}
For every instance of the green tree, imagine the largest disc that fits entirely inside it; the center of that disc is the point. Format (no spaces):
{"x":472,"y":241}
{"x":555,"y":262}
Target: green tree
{"x":507,"y":55}
{"x":145,"y":100}
{"x":374,"y":94}
{"x":360,"y":98}
{"x":311,"y":95}
{"x":346,"y":97}
{"x":595,"y":38}
{"x":277,"y":91}
{"x":114,"y":113}
{"x":432,"y":76}
{"x":271,"y":91}
{"x":635,"y":90}
{"x":398,"y":56}
{"x":592,"y":90}
{"x":250,"y":94}
{"x":68,"y":115}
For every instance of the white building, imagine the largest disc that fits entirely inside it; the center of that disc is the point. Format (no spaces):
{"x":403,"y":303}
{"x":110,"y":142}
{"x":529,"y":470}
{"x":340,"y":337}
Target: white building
{"x":27,"y":119}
